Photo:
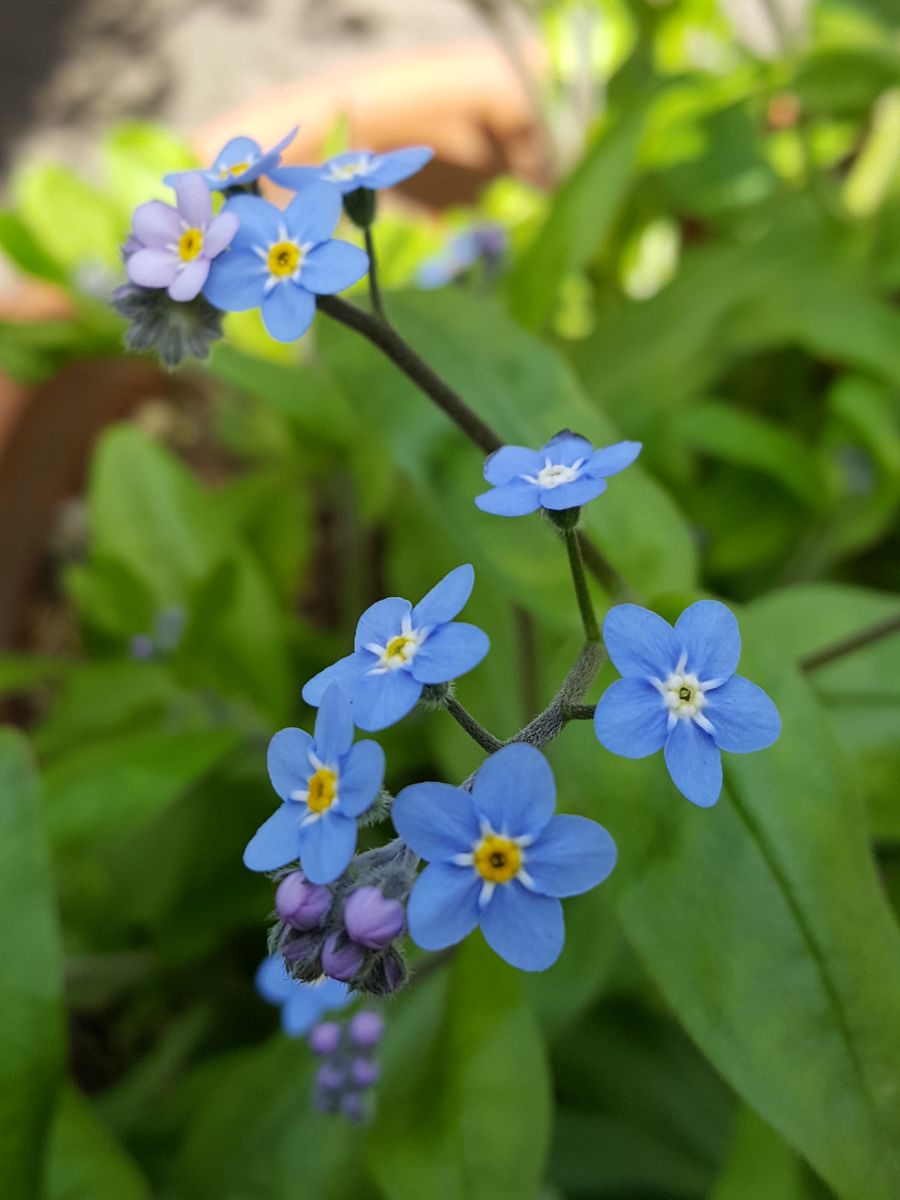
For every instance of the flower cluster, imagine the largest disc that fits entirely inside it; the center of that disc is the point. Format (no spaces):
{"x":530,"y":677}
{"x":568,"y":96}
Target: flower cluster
{"x":349,"y":1068}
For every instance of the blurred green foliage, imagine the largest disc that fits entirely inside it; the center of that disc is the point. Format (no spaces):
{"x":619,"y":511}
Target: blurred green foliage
{"x":716,"y":274}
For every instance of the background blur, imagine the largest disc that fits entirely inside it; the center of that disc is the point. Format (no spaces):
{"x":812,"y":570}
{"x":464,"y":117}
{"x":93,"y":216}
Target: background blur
{"x":676,"y":222}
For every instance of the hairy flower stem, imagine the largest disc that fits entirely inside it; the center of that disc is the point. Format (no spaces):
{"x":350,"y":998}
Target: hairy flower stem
{"x":466,"y":721}
{"x":374,"y":289}
{"x":848,"y":645}
{"x":576,"y":562}
{"x":579,"y":712}
{"x":383,"y":335}
{"x":540,"y":731}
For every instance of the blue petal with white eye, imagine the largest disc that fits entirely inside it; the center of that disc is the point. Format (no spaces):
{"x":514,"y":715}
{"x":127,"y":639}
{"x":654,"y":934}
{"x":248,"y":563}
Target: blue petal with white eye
{"x":288,"y":761}
{"x":272,"y":980}
{"x":312,"y":215}
{"x":236,"y":282}
{"x":381,"y":621}
{"x":744,"y":718}
{"x":287,"y":311}
{"x":446,"y":598}
{"x":710,"y":635}
{"x":514,"y":790}
{"x":509,"y":463}
{"x":609,"y":460}
{"x":382,"y":700}
{"x":571,"y":855}
{"x":334,"y":725}
{"x":345,"y":672}
{"x":450,"y":651}
{"x":510,"y":499}
{"x":332,"y":267}
{"x":443,"y":906}
{"x":631,"y":719}
{"x":361,"y":777}
{"x":259,"y":223}
{"x":395,"y":166}
{"x":566,"y":449}
{"x":523,"y":927}
{"x":640,"y":643}
{"x":694,"y":763}
{"x":277,"y":841}
{"x":435,"y":820}
{"x":572,"y":495}
{"x":326,"y":846}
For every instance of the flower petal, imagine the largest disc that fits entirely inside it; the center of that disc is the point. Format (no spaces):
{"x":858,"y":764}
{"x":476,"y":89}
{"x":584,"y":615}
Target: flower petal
{"x":381,"y":700}
{"x":508,"y":463}
{"x":744,"y":718}
{"x":345,"y":672}
{"x":301,"y":1009}
{"x":326,"y":846}
{"x":194,"y":199}
{"x":312,"y":215}
{"x":609,"y":460}
{"x":220,"y":233}
{"x":333,"y":266}
{"x":287,"y":311}
{"x":566,"y":449}
{"x":510,"y":500}
{"x":295,"y":178}
{"x":288,"y":760}
{"x":331,"y":994}
{"x":334,"y":725}
{"x":236,"y":281}
{"x":436,"y":820}
{"x":523,"y":927}
{"x":631,"y":719}
{"x":515,"y":791}
{"x":694,"y":763}
{"x":156,"y":224}
{"x":189,"y":281}
{"x":571,"y":855}
{"x":258,"y":222}
{"x":397,"y":165}
{"x":449,"y":652}
{"x":381,"y":621}
{"x":571,"y":495}
{"x":272,"y":980}
{"x":239,"y":149}
{"x":640,"y":643}
{"x":710,"y":635}
{"x":152,"y":268}
{"x":277,"y":841}
{"x":446,"y":598}
{"x":443,"y":906}
{"x":362,"y":775}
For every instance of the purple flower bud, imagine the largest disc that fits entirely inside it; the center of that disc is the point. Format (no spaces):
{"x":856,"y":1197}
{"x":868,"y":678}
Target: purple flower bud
{"x":352,"y":1106}
{"x":325,"y":1101}
{"x":141,"y":647}
{"x":301,"y":904}
{"x":366,"y":1028}
{"x":329,"y":1077}
{"x":364,"y":1072}
{"x":371,"y":920}
{"x":325,"y":1037}
{"x":296,"y":948}
{"x":341,"y":963}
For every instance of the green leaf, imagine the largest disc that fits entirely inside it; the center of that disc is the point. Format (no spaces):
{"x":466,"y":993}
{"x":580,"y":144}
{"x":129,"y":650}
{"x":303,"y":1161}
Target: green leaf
{"x":84,"y":1160}
{"x":465,"y":1102}
{"x":31,"y":1032}
{"x":22,"y":248}
{"x":74,"y":222}
{"x":580,"y":218}
{"x":758,"y":1160}
{"x":764,"y":924}
{"x":138,"y":154}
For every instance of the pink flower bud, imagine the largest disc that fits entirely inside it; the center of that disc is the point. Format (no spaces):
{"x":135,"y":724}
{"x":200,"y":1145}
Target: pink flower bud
{"x":371,"y":920}
{"x":341,"y":963}
{"x":325,"y":1037}
{"x":301,"y":904}
{"x":366,"y":1028}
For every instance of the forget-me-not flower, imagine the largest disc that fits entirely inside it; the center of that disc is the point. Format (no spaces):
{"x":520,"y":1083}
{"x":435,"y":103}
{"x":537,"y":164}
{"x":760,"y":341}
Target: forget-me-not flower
{"x":239,"y":162}
{"x":499,"y":858}
{"x":399,"y":649}
{"x":357,"y":169}
{"x":325,"y":783}
{"x":485,"y":242}
{"x":280,"y":261}
{"x":173,"y":248}
{"x":679,"y":691}
{"x":302,"y":1004}
{"x":565,"y":473}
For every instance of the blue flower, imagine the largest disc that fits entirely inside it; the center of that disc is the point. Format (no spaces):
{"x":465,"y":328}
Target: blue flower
{"x":240,"y":161}
{"x":679,"y":691}
{"x":302,"y":1004}
{"x":565,"y":473}
{"x":399,"y":649}
{"x":499,"y":858}
{"x":280,"y":261}
{"x":325,"y":782}
{"x":486,"y":242}
{"x":357,"y":169}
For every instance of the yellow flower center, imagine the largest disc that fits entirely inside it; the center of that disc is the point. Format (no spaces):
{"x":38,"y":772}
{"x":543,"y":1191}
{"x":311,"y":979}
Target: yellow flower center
{"x":397,"y":647}
{"x":497,"y":859}
{"x":344,"y":171}
{"x":284,"y":259}
{"x":322,"y":790}
{"x":190,"y":244}
{"x":234,"y":170}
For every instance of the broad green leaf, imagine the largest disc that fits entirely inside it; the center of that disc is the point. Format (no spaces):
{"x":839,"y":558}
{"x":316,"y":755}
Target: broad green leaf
{"x":113,"y":785}
{"x":74,"y":222}
{"x":763,"y":922}
{"x":580,"y":218}
{"x":21,"y":247}
{"x":758,"y":1162}
{"x":465,"y":1101}
{"x":138,"y":155}
{"x":20,"y":672}
{"x":84,"y":1160}
{"x":31,"y":1032}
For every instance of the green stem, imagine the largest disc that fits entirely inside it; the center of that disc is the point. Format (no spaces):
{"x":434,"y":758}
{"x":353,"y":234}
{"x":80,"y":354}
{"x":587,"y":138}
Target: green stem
{"x":848,"y":645}
{"x":576,"y":562}
{"x":579,"y":712}
{"x":466,"y":721}
{"x":374,"y":289}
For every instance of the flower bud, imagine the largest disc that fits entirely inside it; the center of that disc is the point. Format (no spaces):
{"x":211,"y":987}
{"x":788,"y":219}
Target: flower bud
{"x":371,"y":920}
{"x":299,"y":903}
{"x":325,"y":1037}
{"x":352,"y":1106}
{"x":364,"y":1072}
{"x":366,"y":1028}
{"x":329,"y":1077}
{"x":341,"y":962}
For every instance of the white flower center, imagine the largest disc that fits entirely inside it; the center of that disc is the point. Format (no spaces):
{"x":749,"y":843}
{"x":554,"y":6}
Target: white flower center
{"x":400,"y":650}
{"x":341,"y":172}
{"x":551,"y":475}
{"x":684,"y":695}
